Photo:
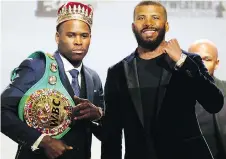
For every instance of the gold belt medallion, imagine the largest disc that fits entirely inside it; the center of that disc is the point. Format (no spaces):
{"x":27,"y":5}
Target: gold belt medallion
{"x":45,"y":111}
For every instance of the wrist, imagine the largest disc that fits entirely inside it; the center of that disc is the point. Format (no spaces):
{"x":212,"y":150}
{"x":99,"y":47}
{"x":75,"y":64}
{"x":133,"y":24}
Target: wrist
{"x":36,"y":145}
{"x":46,"y":140}
{"x":180,"y":62}
{"x":178,"y":57}
{"x":100,"y":112}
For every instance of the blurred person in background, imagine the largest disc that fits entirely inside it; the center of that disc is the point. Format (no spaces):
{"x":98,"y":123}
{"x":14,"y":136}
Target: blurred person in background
{"x":213,"y":126}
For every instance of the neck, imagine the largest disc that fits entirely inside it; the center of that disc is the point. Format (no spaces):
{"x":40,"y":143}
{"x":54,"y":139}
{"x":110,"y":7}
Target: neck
{"x":212,"y":75}
{"x":150,"y":54}
{"x":76,"y":64}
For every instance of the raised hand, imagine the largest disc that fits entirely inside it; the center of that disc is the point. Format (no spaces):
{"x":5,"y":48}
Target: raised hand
{"x":172,"y":48}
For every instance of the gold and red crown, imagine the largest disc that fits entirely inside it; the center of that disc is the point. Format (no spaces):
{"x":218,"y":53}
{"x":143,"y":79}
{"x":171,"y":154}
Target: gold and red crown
{"x":75,"y":10}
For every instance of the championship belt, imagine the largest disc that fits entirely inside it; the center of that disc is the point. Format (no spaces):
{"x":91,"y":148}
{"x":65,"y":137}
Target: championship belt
{"x":43,"y":106}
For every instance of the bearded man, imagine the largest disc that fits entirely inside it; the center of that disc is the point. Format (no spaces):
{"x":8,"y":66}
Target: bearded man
{"x":151,"y":95}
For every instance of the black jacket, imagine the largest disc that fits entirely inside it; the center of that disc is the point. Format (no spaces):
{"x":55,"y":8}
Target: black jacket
{"x":177,"y":134}
{"x":213,"y":126}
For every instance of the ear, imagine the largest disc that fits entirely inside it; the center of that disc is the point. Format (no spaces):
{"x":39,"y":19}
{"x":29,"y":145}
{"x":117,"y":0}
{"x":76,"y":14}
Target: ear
{"x":57,"y":37}
{"x":217,"y":64}
{"x":133,"y":27}
{"x":167,"y":26}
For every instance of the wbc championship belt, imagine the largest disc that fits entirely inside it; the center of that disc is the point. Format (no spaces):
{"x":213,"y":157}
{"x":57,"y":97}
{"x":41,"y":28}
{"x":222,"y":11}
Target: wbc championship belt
{"x":43,"y":105}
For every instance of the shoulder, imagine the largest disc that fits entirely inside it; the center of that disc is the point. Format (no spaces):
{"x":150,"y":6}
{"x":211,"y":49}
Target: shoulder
{"x":34,"y":63}
{"x":94,"y":75}
{"x":195,"y":58}
{"x":191,"y":55}
{"x":221,"y":84}
{"x":119,"y":65}
{"x":92,"y":72}
{"x":30,"y":67}
{"x":27,"y":73}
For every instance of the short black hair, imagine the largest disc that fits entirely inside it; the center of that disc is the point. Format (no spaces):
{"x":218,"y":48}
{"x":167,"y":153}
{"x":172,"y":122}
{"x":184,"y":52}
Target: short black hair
{"x":58,"y":27}
{"x":152,"y":3}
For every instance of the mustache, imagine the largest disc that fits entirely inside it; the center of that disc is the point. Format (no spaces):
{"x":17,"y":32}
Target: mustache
{"x":149,"y":44}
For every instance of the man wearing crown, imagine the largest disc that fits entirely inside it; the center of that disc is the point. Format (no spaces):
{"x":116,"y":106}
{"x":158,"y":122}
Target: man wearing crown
{"x":54,"y":102}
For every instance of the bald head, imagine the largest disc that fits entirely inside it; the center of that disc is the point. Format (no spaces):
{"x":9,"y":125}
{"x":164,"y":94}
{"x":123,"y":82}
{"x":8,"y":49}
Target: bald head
{"x":204,"y":47}
{"x":208,"y":52}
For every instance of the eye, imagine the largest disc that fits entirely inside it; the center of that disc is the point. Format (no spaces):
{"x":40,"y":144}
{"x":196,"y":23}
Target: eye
{"x":85,"y":35}
{"x":70,"y":35}
{"x":140,"y":18}
{"x":207,"y":59}
{"x":155,"y":17}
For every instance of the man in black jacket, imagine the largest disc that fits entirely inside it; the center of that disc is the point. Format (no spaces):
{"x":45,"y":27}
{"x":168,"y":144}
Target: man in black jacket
{"x":213,"y":126}
{"x":151,"y":95}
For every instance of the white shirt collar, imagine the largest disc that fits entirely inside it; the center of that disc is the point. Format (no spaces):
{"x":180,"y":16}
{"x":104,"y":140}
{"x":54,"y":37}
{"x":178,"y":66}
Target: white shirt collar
{"x":68,"y":66}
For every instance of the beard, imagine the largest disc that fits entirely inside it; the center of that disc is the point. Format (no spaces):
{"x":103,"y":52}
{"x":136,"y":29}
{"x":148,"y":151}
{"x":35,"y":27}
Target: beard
{"x":150,"y":44}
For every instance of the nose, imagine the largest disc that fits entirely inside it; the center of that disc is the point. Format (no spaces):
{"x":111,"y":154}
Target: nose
{"x":148,"y":22}
{"x":78,"y":40}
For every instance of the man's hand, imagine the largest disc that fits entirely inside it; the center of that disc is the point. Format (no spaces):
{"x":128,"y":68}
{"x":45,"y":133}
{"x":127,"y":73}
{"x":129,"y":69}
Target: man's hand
{"x":172,"y":48}
{"x":86,"y":110}
{"x":53,"y":147}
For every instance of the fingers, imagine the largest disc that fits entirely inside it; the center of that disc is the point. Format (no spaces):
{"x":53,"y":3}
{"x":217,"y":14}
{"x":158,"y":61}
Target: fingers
{"x":85,"y":116}
{"x":81,"y":106}
{"x":54,"y":154}
{"x":57,"y":153}
{"x":172,"y":42}
{"x":56,"y":148}
{"x":88,"y":113}
{"x":85,"y":111}
{"x":68,"y":147}
{"x":79,"y":100}
{"x":78,"y":107}
{"x":51,"y":155}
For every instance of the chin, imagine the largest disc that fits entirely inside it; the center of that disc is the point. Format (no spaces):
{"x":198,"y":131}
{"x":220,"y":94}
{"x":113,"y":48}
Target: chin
{"x":76,"y":59}
{"x":76,"y":55}
{"x":149,"y":41}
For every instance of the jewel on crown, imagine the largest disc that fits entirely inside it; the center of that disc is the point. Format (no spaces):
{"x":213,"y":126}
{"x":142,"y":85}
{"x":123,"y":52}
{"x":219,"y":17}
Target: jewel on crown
{"x":75,"y":9}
